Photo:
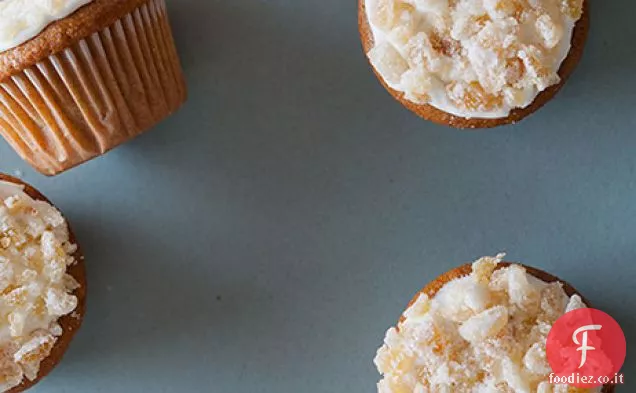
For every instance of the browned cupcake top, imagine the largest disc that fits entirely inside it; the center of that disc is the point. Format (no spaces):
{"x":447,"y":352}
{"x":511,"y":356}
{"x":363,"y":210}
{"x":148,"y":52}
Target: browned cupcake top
{"x":479,"y":327}
{"x":42,"y":285}
{"x":63,"y":33}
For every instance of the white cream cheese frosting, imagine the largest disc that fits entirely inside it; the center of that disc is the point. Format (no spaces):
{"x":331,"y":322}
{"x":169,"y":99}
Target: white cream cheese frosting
{"x":471,"y":58}
{"x":35,"y":289}
{"x":21,"y":20}
{"x":482,"y":333}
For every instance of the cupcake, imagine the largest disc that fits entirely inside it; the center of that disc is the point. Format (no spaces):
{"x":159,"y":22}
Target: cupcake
{"x":42,"y":286}
{"x":473,"y":63}
{"x":479,"y":328}
{"x":79,"y":77}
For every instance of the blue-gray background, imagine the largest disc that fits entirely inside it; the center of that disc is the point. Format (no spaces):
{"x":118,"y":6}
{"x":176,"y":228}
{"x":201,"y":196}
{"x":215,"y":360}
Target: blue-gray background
{"x":263,"y":239}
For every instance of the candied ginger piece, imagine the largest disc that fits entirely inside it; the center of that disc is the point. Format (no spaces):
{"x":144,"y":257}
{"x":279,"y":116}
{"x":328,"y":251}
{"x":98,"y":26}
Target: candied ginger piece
{"x":484,"y":325}
{"x":56,"y":329}
{"x":392,"y":338}
{"x":14,"y":203}
{"x":472,"y":96}
{"x":498,"y":9}
{"x":30,"y":252}
{"x":388,"y":61}
{"x":70,"y":283}
{"x":450,"y":300}
{"x":18,"y":239}
{"x":514,"y":70}
{"x":498,"y":281}
{"x":53,"y":217}
{"x":514,"y":377}
{"x":401,"y":34}
{"x":467,"y":18}
{"x":477,"y":297}
{"x":535,"y":360}
{"x":553,"y":301}
{"x":575,"y":303}
{"x":441,"y":376}
{"x":382,"y":13}
{"x":16,"y":323}
{"x":550,"y":32}
{"x":420,"y":53}
{"x":417,"y":84}
{"x":60,"y":303}
{"x":385,"y":14}
{"x":70,"y":248}
{"x":35,"y":227}
{"x":444,"y":337}
{"x":383,"y":360}
{"x":55,"y":269}
{"x":488,"y":53}
{"x":465,"y":26}
{"x":419,"y":308}
{"x":10,"y":375}
{"x":405,"y":28}
{"x":572,"y":8}
{"x":35,"y":350}
{"x":27,"y":276}
{"x":15,"y":296}
{"x":444,"y":45}
{"x":403,"y":363}
{"x":50,"y":245}
{"x":522,"y":293}
{"x":484,"y":267}
{"x":38,"y":307}
{"x":498,"y":35}
{"x":394,"y":359}
{"x":516,"y":98}
{"x":537,"y":73}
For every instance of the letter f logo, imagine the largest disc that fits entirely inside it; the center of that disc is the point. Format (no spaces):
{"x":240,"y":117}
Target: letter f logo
{"x":583,"y":343}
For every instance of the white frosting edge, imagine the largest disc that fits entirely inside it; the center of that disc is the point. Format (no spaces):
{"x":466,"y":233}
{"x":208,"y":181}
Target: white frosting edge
{"x":21,"y":20}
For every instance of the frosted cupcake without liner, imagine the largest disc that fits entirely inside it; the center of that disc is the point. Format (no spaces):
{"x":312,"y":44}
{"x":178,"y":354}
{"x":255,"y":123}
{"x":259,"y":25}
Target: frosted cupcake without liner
{"x":481,"y":327}
{"x":42,"y":286}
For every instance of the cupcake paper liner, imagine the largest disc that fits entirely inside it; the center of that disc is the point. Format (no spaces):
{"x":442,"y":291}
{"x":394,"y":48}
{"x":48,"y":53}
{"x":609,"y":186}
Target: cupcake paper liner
{"x":102,"y":91}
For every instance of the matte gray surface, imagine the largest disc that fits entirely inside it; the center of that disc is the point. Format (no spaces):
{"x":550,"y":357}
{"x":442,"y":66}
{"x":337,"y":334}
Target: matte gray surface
{"x":264,"y":238}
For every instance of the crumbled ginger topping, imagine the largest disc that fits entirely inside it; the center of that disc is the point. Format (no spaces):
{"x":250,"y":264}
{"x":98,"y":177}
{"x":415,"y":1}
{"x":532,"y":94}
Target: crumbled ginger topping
{"x":477,"y":56}
{"x":35,"y":290}
{"x":482,"y":333}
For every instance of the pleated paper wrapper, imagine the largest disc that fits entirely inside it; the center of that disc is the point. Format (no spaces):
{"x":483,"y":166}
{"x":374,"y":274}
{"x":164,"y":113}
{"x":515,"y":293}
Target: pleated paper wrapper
{"x":104,"y":90}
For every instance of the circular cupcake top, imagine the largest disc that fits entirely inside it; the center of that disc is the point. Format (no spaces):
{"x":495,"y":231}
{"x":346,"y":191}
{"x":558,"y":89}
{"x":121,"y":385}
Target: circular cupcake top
{"x":471,"y":58}
{"x":485,"y":332}
{"x":35,"y":289}
{"x":21,"y":20}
